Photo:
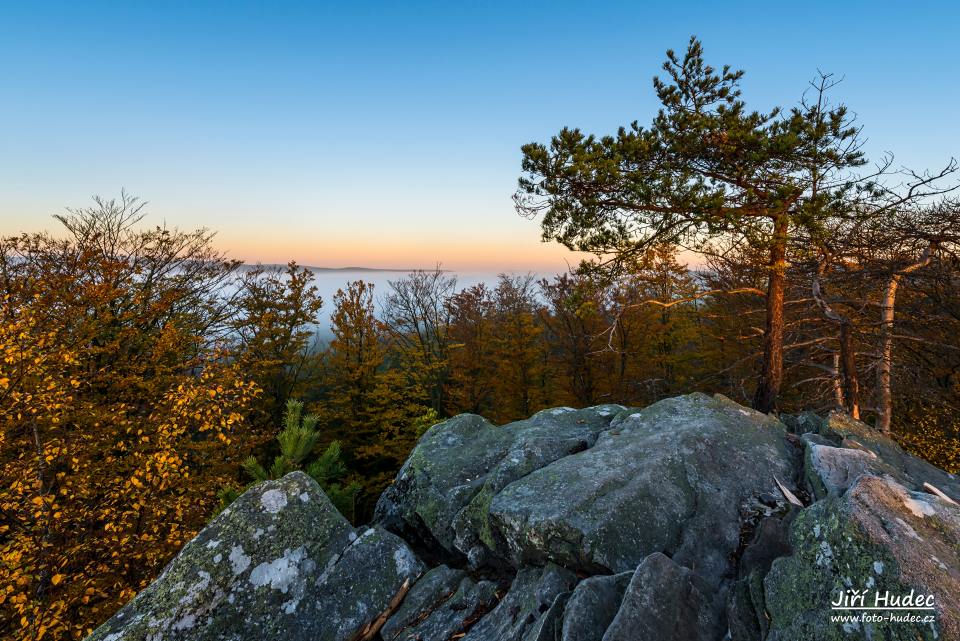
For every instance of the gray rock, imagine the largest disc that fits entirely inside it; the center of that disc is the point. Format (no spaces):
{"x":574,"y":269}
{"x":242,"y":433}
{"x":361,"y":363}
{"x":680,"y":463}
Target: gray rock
{"x":802,"y":423}
{"x":669,"y":478}
{"x":521,"y":613}
{"x":816,"y":439}
{"x":442,"y":494}
{"x":666,"y":601}
{"x":443,"y":473}
{"x":679,"y":498}
{"x":746,"y":610}
{"x":596,"y":490}
{"x":280,"y":563}
{"x":910,"y":470}
{"x":746,"y":618}
{"x":878,"y":537}
{"x":548,"y":626}
{"x":830,"y":471}
{"x":442,"y":604}
{"x":592,"y":606}
{"x":427,"y":594}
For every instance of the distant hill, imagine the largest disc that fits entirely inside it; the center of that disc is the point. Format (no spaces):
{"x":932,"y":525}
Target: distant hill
{"x":333,"y":269}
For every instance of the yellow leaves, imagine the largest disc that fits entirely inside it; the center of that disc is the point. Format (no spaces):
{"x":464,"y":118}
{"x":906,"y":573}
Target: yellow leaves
{"x":107,"y":476}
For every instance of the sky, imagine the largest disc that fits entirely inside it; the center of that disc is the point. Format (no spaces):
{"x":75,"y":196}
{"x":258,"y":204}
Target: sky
{"x":388,"y":134}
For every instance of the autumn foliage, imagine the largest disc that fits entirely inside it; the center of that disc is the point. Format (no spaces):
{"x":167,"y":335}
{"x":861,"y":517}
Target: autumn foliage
{"x":142,"y":372}
{"x":116,"y":408}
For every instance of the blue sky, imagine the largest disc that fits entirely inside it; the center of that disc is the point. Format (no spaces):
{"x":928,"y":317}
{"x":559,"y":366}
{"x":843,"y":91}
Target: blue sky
{"x":388,"y":134}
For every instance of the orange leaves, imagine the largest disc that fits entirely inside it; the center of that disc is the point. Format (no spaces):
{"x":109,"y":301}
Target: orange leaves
{"x":104,"y":472}
{"x":117,"y":412}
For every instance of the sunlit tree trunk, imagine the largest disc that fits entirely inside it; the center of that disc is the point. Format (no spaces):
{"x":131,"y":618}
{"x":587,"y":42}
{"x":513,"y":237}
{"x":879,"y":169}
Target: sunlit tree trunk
{"x":885,"y":368}
{"x":771,"y":376}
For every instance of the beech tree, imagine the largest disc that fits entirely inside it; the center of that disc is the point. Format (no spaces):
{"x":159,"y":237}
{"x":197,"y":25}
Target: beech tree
{"x":707,"y":166}
{"x":353,"y":356}
{"x":519,"y":350}
{"x":417,"y":319}
{"x":573,"y":321}
{"x":376,"y":410}
{"x":118,"y":411}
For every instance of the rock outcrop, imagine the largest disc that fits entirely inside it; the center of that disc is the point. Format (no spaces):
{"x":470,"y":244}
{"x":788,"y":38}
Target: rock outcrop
{"x":676,"y":521}
{"x":280,"y":563}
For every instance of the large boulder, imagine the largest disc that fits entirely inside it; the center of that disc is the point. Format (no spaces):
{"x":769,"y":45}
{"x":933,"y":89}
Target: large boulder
{"x":280,"y":563}
{"x":597,"y":490}
{"x":669,"y":478}
{"x":876,"y":539}
{"x":909,"y":470}
{"x":666,"y":601}
{"x":831,"y":471}
{"x":441,"y":495}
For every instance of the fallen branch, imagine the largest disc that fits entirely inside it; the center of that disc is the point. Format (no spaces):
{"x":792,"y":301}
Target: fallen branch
{"x":369,"y":631}
{"x":934,"y":490}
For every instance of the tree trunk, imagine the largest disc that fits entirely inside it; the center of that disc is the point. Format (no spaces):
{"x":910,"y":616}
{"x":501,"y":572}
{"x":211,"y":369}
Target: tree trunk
{"x":771,"y":375}
{"x":837,"y":385}
{"x":848,"y":368}
{"x":884,"y":397}
{"x":845,"y":377}
{"x":885,"y":367}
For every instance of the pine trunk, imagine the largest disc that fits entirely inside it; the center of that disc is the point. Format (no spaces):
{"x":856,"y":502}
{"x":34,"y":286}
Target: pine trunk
{"x":771,"y":376}
{"x":848,"y":368}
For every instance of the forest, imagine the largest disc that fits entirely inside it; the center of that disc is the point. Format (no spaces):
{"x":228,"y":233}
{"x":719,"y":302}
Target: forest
{"x":147,"y":377}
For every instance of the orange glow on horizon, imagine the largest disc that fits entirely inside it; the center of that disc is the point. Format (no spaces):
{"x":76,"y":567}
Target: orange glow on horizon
{"x":475,"y":253}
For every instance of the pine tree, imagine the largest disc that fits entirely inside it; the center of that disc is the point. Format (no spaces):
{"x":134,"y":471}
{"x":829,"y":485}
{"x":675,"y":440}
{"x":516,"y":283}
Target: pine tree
{"x":705,"y":166}
{"x":297,"y":441}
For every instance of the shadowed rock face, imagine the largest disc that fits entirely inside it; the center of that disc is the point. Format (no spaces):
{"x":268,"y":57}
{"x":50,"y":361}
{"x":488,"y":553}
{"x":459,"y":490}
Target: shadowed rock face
{"x":601,"y":524}
{"x":592,"y":606}
{"x":665,"y":600}
{"x":441,"y":605}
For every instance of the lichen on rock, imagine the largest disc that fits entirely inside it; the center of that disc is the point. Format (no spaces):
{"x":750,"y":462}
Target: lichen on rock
{"x":601,"y":524}
{"x":271,"y":566}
